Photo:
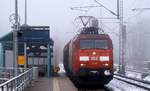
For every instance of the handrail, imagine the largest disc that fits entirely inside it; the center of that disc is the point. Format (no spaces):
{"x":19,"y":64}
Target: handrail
{"x":10,"y":68}
{"x":14,"y":78}
{"x":19,"y":82}
{"x":9,"y":72}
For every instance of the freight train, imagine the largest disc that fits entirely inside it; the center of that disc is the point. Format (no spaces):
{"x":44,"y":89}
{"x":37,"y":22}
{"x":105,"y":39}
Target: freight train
{"x":88,"y":57}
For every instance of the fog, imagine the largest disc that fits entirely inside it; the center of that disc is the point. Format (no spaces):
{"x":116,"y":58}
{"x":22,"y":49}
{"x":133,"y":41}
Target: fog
{"x":58,"y":15}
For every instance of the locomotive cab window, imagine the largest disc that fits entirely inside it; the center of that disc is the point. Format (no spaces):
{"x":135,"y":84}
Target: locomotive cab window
{"x":101,"y":44}
{"x":96,"y":44}
{"x":86,"y":44}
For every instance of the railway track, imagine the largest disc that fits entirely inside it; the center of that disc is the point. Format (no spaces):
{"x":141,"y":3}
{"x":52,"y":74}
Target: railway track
{"x":112,"y":86}
{"x":62,"y":84}
{"x":105,"y":88}
{"x":134,"y":85}
{"x":133,"y":81}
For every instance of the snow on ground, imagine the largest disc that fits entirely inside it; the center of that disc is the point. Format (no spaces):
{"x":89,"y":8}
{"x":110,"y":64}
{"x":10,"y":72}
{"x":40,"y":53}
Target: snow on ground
{"x":134,"y":75}
{"x":117,"y":85}
{"x":62,"y":70}
{"x":137,"y":75}
{"x":147,"y":78}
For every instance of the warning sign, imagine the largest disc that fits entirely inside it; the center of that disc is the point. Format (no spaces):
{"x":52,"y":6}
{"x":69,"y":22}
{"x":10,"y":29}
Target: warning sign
{"x":21,"y":60}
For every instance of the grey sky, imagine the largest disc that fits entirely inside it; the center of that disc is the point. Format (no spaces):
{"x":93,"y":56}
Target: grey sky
{"x":57,"y":13}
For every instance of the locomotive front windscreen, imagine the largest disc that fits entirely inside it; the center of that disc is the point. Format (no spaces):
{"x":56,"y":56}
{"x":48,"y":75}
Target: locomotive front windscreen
{"x":93,"y":44}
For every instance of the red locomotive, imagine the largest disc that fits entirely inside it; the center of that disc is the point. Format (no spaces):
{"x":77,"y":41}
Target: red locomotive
{"x":88,"y":57}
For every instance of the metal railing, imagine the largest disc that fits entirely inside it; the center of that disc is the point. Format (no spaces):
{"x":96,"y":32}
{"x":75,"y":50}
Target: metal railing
{"x":8,"y":73}
{"x":18,"y":83}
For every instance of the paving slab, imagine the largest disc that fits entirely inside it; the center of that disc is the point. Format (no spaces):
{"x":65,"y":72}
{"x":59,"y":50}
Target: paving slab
{"x":52,"y":84}
{"x":63,"y":84}
{"x":41,"y":84}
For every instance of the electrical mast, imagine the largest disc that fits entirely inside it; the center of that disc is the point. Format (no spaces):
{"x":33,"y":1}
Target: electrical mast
{"x":25,"y":13}
{"x":15,"y":39}
{"x":122,"y":40}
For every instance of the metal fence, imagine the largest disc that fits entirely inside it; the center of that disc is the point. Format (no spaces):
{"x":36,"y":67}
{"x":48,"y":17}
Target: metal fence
{"x":18,"y":83}
{"x":8,"y":73}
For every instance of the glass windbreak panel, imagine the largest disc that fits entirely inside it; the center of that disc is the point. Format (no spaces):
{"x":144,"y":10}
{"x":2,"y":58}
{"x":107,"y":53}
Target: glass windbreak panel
{"x":93,"y":44}
{"x":101,"y":44}
{"x":86,"y":44}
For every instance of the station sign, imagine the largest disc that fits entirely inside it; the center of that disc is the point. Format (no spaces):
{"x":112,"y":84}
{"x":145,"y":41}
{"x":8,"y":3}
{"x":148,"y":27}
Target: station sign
{"x":21,"y":60}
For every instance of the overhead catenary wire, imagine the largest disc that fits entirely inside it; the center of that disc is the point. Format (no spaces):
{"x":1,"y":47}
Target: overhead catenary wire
{"x":140,"y":9}
{"x":113,"y":13}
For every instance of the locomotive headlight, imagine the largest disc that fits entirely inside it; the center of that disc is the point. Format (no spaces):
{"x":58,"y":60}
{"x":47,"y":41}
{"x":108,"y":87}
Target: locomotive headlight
{"x":82,"y":65}
{"x":94,"y":53}
{"x":84,"y":58}
{"x":104,"y":58}
{"x":106,"y":64}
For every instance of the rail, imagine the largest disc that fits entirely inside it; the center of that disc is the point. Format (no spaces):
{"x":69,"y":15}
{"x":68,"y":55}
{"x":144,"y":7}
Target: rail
{"x":133,"y":81}
{"x":18,"y":83}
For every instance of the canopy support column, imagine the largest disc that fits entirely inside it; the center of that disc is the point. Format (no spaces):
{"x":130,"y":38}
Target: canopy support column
{"x":49,"y":60}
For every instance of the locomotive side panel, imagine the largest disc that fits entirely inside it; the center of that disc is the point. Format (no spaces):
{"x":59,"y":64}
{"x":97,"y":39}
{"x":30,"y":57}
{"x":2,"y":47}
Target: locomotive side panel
{"x":65,"y":57}
{"x":75,"y":57}
{"x":70,"y":59}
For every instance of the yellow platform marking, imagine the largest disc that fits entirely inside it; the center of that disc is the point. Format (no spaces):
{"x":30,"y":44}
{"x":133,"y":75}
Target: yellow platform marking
{"x":56,"y":85}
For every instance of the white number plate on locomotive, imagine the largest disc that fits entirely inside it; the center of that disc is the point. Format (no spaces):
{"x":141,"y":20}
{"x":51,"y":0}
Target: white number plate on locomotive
{"x":94,"y":58}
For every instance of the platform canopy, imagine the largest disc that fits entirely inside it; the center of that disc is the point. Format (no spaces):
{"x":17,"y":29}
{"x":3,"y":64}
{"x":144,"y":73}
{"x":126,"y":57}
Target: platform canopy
{"x":36,"y":37}
{"x":33,"y":42}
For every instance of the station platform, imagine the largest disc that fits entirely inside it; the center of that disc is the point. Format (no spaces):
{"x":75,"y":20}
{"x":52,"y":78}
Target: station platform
{"x":41,"y":84}
{"x":52,"y":84}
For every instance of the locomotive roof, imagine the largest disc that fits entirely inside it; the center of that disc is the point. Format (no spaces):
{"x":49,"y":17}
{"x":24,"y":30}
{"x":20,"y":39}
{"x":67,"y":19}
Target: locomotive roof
{"x":102,"y":36}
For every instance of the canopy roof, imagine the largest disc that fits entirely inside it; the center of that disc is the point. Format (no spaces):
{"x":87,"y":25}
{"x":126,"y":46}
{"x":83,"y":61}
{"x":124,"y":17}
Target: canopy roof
{"x":36,"y":37}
